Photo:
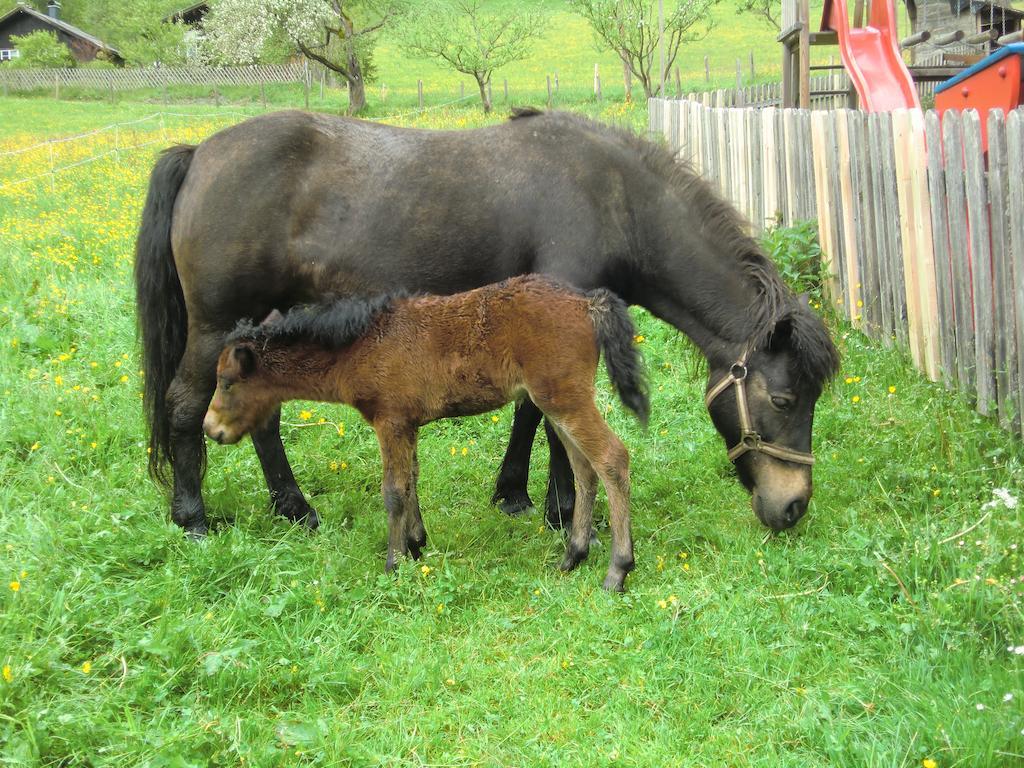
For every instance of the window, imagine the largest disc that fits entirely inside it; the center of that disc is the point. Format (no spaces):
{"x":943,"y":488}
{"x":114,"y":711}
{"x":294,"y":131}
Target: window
{"x":6,"y":54}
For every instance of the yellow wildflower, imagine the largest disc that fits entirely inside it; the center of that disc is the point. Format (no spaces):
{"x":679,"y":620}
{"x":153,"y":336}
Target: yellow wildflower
{"x":929,"y":763}
{"x":305,"y":415}
{"x":86,"y":668}
{"x":425,"y":570}
{"x":465,"y":451}
{"x":855,"y":399}
{"x":15,"y":586}
{"x":7,"y":674}
{"x":892,"y":390}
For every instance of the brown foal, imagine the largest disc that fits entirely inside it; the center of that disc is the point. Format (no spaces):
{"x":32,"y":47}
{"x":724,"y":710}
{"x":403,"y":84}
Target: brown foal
{"x":406,"y":361}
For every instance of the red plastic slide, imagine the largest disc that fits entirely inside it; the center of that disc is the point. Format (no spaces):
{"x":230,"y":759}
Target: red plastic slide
{"x":871,"y":55}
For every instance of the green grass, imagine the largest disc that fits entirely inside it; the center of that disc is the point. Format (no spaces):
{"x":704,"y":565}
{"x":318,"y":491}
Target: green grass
{"x":875,"y":634}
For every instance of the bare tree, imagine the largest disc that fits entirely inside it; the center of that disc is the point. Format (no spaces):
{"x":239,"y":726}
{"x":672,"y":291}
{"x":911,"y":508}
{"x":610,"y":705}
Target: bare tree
{"x":468,"y":39}
{"x":630,"y":28}
{"x":767,"y":10}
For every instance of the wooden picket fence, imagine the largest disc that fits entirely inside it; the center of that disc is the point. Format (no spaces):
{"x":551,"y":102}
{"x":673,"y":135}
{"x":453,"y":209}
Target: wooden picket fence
{"x":923,"y":230}
{"x":130,"y":78}
{"x":827,"y":92}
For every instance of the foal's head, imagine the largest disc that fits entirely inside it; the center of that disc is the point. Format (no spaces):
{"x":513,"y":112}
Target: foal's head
{"x":763,"y":406}
{"x":243,"y":401}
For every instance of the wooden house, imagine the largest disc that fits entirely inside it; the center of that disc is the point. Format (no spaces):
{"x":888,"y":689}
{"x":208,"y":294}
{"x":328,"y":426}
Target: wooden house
{"x":23,"y":19}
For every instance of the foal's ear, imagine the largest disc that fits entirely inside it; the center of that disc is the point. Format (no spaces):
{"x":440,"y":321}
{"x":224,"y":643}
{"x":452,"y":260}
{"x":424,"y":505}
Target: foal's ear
{"x":245,"y":358}
{"x":274,"y":316}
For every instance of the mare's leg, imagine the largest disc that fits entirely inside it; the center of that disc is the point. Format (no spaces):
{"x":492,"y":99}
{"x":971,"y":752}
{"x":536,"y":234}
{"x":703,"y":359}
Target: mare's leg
{"x":284,"y":491}
{"x":415,"y":534}
{"x":578,"y":544}
{"x":397,"y":447}
{"x":510,"y":489}
{"x":560,"y":499}
{"x":588,"y":431}
{"x":187,"y":399}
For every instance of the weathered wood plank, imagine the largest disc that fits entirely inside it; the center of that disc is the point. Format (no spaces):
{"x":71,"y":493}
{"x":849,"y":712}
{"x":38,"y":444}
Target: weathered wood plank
{"x":1015,"y":177}
{"x":956,"y":207}
{"x":981,"y":265}
{"x":1005,"y":341}
{"x":940,"y":241}
{"x":849,"y":216}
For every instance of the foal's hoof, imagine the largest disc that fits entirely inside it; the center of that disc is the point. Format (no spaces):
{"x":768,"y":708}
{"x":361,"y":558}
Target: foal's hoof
{"x":573,"y":557}
{"x":512,"y":503}
{"x":615,"y":582}
{"x":196,"y":532}
{"x":295,"y":507}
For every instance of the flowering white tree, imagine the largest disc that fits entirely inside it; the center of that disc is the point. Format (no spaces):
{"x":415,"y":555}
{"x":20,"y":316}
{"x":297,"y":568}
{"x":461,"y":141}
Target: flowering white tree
{"x":630,"y":28}
{"x":327,"y":31}
{"x":466,"y":38}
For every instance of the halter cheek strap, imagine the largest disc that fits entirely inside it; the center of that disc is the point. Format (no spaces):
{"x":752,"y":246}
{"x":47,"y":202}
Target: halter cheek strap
{"x":750,"y":440}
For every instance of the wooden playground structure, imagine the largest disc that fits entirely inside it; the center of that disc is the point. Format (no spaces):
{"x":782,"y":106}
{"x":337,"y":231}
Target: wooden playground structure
{"x":955,"y":35}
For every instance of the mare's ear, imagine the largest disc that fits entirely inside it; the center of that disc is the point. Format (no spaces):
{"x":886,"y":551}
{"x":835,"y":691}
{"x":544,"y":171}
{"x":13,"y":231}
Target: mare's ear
{"x":274,"y":316}
{"x":244,"y":357}
{"x":781,"y":335}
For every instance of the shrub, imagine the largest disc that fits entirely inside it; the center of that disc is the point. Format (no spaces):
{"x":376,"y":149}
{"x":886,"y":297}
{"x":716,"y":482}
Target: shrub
{"x":796,"y":251}
{"x":41,"y":49}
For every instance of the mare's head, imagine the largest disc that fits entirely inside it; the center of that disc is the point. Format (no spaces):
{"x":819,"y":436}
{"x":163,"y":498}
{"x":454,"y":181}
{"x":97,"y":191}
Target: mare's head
{"x":762,"y":403}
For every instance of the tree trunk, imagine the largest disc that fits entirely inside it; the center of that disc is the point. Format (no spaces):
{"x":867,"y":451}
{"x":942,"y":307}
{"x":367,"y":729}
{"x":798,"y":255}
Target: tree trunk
{"x":356,"y":86}
{"x":481,"y":81}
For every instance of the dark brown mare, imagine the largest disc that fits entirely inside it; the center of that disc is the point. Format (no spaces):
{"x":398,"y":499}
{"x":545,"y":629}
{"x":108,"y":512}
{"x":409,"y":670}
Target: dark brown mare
{"x":405,"y":362}
{"x":290,"y":207}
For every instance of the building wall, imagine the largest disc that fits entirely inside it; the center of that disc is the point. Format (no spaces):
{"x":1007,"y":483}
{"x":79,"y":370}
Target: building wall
{"x":23,"y":24}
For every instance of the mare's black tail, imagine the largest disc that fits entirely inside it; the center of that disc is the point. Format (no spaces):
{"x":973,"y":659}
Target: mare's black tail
{"x":160,"y":304}
{"x":615,"y":337}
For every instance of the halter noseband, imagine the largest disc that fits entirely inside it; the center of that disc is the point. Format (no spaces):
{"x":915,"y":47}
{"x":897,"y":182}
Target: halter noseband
{"x":749,"y":439}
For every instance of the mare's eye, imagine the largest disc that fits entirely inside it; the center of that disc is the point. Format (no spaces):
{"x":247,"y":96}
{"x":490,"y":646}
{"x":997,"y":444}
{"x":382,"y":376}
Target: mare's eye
{"x":782,"y":402}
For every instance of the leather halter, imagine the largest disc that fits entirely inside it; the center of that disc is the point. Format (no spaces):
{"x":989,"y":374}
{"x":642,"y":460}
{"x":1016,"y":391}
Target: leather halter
{"x":750,"y":440}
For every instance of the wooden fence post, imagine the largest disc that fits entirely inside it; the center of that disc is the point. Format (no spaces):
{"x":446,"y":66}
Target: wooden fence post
{"x":1002,"y":273}
{"x":707,"y":70}
{"x":419,"y":94}
{"x":506,"y":90}
{"x":1015,"y":162}
{"x":549,"y":90}
{"x":597,"y":82}
{"x":981,"y":264}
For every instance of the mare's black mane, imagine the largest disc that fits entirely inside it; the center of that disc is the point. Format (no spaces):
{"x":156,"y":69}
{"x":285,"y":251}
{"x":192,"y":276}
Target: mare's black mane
{"x":815,"y":356}
{"x":333,"y":323}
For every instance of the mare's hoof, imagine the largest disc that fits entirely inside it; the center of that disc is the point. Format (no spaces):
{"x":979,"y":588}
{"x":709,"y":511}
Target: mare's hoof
{"x":196,"y":532}
{"x":294,"y":507}
{"x":512,"y":503}
{"x":559,"y":510}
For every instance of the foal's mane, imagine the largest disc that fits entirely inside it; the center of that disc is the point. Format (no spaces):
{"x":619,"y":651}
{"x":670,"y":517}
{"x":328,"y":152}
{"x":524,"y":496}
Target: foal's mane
{"x":815,"y":356}
{"x":333,"y":323}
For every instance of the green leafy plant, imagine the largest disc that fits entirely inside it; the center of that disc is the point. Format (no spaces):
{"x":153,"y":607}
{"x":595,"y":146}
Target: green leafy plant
{"x":41,"y":49}
{"x":797,"y":253}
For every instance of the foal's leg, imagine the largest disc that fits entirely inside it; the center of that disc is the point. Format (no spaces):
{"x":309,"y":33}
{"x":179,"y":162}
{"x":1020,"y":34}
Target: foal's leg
{"x":187,"y":399}
{"x":589,"y":432}
{"x":397,"y":447}
{"x":578,"y":545}
{"x":284,"y":491}
{"x":415,"y":533}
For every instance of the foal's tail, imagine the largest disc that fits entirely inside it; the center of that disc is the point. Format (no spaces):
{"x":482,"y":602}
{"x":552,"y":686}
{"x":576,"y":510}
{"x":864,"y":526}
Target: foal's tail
{"x":615,"y":336}
{"x":160,"y":304}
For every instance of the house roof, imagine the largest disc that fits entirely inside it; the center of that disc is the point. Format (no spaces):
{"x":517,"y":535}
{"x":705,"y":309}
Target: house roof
{"x":69,"y":29}
{"x":183,"y":13}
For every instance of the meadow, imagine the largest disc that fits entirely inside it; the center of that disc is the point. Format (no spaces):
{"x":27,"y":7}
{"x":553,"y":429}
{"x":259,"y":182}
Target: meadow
{"x":885,"y":630}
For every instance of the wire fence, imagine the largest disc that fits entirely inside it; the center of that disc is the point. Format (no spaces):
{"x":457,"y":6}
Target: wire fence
{"x":121,"y":144}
